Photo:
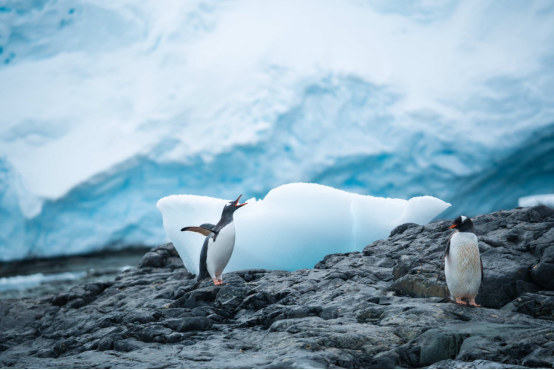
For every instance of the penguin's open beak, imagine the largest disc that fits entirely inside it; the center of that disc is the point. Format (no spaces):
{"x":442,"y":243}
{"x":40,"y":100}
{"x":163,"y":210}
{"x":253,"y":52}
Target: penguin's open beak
{"x":452,"y":226}
{"x":237,"y":202}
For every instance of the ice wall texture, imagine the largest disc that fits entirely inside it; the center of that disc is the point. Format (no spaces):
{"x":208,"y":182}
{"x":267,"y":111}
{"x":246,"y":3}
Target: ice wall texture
{"x":12,"y":219}
{"x":294,"y":226}
{"x":105,"y":107}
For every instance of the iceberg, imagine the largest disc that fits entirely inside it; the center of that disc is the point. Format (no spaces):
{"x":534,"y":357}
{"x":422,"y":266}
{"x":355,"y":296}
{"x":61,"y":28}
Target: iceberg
{"x":535,"y":200}
{"x":294,"y":226}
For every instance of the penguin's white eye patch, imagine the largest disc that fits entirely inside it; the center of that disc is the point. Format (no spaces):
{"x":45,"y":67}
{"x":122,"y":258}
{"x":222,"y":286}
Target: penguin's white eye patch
{"x":464,"y":218}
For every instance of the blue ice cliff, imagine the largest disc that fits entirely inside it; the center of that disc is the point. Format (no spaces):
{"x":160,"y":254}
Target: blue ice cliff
{"x":106,"y":107}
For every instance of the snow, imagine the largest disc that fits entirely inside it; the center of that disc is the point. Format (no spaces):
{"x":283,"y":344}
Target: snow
{"x":535,"y":200}
{"x":294,"y":226}
{"x":105,"y":107}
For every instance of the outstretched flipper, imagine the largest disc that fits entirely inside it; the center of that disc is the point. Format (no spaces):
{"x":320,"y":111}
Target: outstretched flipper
{"x":201,"y":230}
{"x":208,"y":230}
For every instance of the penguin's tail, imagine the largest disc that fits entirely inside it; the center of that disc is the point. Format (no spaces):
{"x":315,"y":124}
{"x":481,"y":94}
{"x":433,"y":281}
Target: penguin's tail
{"x":196,"y":285}
{"x":199,"y":281}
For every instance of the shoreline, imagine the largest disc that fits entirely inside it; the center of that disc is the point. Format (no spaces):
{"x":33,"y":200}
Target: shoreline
{"x":38,"y":277}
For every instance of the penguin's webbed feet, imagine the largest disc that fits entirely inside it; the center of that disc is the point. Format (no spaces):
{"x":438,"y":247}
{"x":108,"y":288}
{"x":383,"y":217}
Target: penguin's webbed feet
{"x":218,"y":281}
{"x":461,"y":302}
{"x":471,"y":302}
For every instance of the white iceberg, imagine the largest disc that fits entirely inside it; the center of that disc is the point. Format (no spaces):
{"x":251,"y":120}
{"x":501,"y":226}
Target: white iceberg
{"x":535,"y":200}
{"x":294,"y":226}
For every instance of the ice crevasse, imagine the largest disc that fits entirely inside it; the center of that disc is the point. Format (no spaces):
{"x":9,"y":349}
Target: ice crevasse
{"x":294,"y":226}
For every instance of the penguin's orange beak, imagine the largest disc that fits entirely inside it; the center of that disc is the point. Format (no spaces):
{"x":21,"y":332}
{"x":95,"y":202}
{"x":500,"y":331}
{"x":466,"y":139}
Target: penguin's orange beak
{"x":452,"y":226}
{"x":237,"y":202}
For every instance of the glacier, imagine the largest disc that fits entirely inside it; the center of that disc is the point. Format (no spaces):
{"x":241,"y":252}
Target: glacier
{"x":106,"y":107}
{"x":294,"y":226}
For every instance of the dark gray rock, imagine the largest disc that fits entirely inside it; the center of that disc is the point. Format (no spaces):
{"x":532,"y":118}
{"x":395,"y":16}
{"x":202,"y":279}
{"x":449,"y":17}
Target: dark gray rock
{"x":163,"y":256}
{"x":380,"y":308}
{"x":189,"y":324}
{"x":543,"y":272}
{"x":478,"y":364}
{"x":539,"y":305}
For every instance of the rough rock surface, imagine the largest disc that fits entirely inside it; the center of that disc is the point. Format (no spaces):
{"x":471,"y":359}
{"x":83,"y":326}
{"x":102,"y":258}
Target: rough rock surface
{"x":378,"y":308}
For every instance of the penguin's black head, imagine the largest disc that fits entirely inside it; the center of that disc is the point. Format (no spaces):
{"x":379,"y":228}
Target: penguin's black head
{"x":233,"y":206}
{"x":462,"y":223}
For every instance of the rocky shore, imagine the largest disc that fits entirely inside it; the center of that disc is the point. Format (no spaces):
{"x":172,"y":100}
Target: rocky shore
{"x":383,"y":307}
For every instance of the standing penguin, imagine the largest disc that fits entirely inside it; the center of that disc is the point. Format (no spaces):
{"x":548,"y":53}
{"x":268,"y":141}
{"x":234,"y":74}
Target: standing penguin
{"x":218,"y":245}
{"x":463,"y":266}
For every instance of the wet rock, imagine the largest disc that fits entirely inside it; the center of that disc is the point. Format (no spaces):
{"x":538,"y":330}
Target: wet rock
{"x":418,"y":286}
{"x":382,"y":307}
{"x":189,"y":324}
{"x":539,"y":305}
{"x":401,"y":228}
{"x":478,"y":364}
{"x":163,"y":256}
{"x":436,"y":345}
{"x":543,"y":272}
{"x":503,"y":268}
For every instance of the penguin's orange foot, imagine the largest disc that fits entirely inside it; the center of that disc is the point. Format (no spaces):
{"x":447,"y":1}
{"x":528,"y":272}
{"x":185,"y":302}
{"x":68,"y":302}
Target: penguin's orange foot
{"x":460,"y":302}
{"x":473,"y":304}
{"x":217,"y":281}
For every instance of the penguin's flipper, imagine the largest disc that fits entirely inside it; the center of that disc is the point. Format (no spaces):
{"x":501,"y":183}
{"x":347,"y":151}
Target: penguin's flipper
{"x":447,"y":250}
{"x":201,"y":230}
{"x":208,"y":226}
{"x":213,"y":228}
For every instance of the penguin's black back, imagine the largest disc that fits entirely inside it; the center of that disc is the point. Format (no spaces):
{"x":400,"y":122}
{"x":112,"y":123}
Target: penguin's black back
{"x":203,"y":267}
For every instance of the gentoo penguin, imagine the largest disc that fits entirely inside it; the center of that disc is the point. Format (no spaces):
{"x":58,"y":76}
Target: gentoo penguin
{"x":463,"y":266}
{"x":218,"y":245}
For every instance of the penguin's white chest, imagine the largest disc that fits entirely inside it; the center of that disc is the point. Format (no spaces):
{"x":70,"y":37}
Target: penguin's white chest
{"x":462,"y":266}
{"x":219,"y":252}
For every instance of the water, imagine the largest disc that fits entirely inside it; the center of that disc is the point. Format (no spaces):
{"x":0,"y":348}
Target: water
{"x":47,"y":276}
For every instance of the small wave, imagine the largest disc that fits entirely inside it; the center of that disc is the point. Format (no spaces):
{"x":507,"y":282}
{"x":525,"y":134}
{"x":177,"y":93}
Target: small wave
{"x":34,"y":280}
